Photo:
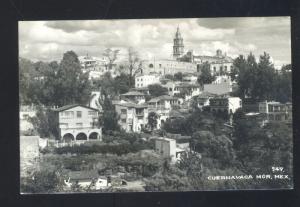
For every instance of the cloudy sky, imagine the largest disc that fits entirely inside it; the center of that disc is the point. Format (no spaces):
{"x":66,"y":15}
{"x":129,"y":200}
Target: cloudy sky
{"x":153,"y":38}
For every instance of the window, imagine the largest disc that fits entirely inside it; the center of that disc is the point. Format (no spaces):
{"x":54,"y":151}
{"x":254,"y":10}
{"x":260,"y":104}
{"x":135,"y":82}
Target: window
{"x":215,"y":69}
{"x":79,"y":114}
{"x":123,"y":111}
{"x":123,"y":120}
{"x":151,"y":65}
{"x":67,"y":114}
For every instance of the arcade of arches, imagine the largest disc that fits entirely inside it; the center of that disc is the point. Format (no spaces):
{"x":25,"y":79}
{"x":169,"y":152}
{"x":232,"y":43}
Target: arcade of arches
{"x":68,"y":137}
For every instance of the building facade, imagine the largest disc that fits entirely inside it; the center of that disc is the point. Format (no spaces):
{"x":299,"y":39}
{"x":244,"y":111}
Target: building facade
{"x":78,"y":123}
{"x":227,"y":105}
{"x":133,"y":117}
{"x":276,"y":111}
{"x":162,"y":106}
{"x":142,"y":81}
{"x":167,"y":147}
{"x":167,"y":66}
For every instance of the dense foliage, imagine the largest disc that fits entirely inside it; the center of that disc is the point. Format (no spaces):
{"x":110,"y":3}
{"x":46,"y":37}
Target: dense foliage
{"x":53,"y":84}
{"x":260,"y":81}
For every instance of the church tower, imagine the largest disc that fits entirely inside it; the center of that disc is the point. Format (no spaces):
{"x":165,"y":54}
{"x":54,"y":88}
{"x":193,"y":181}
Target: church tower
{"x":178,"y":45}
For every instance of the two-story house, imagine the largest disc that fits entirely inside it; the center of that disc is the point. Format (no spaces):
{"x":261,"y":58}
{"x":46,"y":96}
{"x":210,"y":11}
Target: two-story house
{"x":275,"y":111}
{"x":225,"y":104}
{"x":162,"y":105}
{"x":78,"y":122}
{"x":133,"y":117}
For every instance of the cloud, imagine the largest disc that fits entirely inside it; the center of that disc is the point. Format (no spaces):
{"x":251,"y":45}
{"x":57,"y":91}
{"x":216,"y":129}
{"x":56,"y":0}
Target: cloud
{"x":153,"y":38}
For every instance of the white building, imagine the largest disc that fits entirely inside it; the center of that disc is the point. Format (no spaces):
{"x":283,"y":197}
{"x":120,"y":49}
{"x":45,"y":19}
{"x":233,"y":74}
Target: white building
{"x":225,"y":104}
{"x":133,"y":117}
{"x":162,"y":106}
{"x":202,"y":100}
{"x":145,"y":80}
{"x":167,"y":147}
{"x":78,"y":122}
{"x":188,"y":89}
{"x":276,"y":111}
{"x":165,"y":66}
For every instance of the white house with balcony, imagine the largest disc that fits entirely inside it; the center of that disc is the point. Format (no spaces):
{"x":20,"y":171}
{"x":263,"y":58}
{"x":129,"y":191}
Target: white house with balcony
{"x":133,"y":117}
{"x":78,"y":123}
{"x":162,"y":105}
{"x":276,"y":111}
{"x":227,"y":105}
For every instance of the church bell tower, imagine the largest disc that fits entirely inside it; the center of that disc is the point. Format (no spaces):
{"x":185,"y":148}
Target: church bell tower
{"x":178,"y":46}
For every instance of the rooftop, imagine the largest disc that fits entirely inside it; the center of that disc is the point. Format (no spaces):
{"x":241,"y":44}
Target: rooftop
{"x":130,"y":105}
{"x":66,"y":107}
{"x":163,"y":97}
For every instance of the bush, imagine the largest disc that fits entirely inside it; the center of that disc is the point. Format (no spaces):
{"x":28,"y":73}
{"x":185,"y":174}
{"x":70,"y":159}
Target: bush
{"x":118,"y":149}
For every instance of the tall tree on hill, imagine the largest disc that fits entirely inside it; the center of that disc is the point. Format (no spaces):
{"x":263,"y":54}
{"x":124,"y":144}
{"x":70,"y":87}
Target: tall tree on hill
{"x":156,"y":90}
{"x":264,"y":79}
{"x":152,"y":120}
{"x":111,"y":55}
{"x":205,"y":77}
{"x":109,"y":117}
{"x":72,"y":85}
{"x":134,"y":65}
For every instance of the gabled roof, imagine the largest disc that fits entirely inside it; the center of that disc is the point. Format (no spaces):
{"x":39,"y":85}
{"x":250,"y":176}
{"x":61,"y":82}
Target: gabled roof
{"x":66,"y":107}
{"x":163,"y":97}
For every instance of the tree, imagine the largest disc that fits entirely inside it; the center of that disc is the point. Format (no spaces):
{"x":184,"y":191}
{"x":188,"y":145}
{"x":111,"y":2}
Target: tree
{"x":239,"y":65}
{"x":109,"y":118}
{"x":71,"y":85}
{"x":152,"y":120}
{"x":42,"y":182}
{"x":156,"y":90}
{"x":219,"y":148}
{"x":205,"y":77}
{"x":111,"y":55}
{"x":46,"y":122}
{"x":134,"y":65}
{"x":122,"y":83}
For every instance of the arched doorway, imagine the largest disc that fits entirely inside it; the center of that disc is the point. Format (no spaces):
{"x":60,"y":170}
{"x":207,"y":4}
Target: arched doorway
{"x":81,"y":136}
{"x":94,"y":135}
{"x":68,"y":137}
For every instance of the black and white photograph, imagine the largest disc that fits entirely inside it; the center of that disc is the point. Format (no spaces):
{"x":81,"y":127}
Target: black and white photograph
{"x":155,"y":105}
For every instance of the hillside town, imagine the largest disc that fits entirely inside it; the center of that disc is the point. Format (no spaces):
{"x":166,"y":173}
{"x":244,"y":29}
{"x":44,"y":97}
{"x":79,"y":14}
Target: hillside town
{"x":153,"y":124}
